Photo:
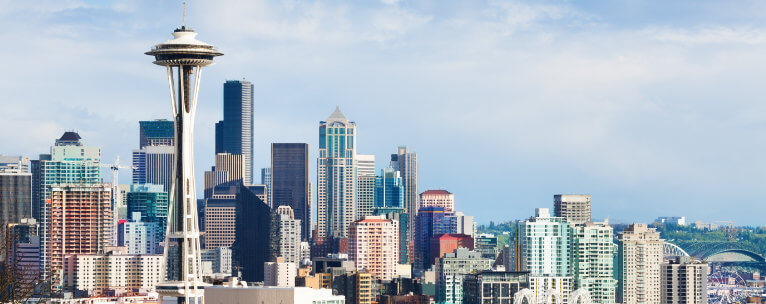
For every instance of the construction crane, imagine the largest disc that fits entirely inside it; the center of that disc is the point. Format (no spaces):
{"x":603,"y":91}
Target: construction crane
{"x":115,"y":193}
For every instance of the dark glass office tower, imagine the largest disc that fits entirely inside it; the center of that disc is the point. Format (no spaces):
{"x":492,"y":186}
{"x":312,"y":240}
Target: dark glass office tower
{"x":290,"y":181}
{"x":156,"y":133}
{"x":234,"y":134}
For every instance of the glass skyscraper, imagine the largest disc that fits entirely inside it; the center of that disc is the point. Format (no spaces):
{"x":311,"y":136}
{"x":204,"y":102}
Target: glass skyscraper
{"x":336,"y":176}
{"x":234,"y":134}
{"x":389,"y":191}
{"x":290,"y":181}
{"x":156,"y":133}
{"x":152,"y":202}
{"x":406,"y":163}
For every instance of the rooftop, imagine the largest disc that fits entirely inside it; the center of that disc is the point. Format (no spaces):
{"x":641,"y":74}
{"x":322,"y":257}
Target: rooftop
{"x":442,"y":192}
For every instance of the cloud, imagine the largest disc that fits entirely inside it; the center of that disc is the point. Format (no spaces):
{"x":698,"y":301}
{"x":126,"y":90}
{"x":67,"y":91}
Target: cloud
{"x":507,"y":103}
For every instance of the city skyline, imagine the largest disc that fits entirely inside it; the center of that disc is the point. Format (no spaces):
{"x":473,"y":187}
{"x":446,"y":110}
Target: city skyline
{"x":643,"y":150}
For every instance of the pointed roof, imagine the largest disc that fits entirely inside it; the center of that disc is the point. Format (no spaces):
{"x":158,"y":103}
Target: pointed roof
{"x":337,"y":115}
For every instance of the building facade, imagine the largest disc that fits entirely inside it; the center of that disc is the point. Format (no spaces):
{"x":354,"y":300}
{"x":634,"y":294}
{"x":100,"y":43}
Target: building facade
{"x":442,"y":244}
{"x":575,"y":208}
{"x":493,"y":286}
{"x":684,"y":281}
{"x":70,"y":162}
{"x":389,"y":189}
{"x":370,"y":247}
{"x":80,"y":222}
{"x":94,"y":274}
{"x":438,"y":198}
{"x":545,"y":252}
{"x":639,"y":257}
{"x":289,"y":235}
{"x":289,"y":182}
{"x":138,"y":237}
{"x":336,"y":176}
{"x":365,"y":185}
{"x":158,"y":132}
{"x":220,"y":222}
{"x":428,"y":223}
{"x":406,"y":162}
{"x":15,"y":192}
{"x":234,"y":134}
{"x":593,"y":260}
{"x":450,"y":270}
{"x":279,"y":273}
{"x":152,"y":202}
{"x":154,"y":165}
{"x":229,"y":169}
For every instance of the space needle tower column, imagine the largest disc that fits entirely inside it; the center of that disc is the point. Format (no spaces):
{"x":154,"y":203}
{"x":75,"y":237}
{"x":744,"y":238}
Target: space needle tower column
{"x":183,"y":56}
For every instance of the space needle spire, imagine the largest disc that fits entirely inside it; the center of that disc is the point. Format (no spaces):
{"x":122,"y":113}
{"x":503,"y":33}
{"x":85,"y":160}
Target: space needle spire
{"x":183,"y":56}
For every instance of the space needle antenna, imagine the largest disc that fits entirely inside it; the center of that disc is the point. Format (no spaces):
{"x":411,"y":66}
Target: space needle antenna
{"x":183,"y":17}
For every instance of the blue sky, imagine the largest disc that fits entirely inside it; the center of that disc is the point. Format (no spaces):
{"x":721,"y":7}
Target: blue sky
{"x":653,"y":107}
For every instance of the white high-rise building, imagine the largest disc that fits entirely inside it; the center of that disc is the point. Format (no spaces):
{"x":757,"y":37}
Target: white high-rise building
{"x":365,"y":186}
{"x":684,"y":281}
{"x":593,"y":260}
{"x":279,"y":273}
{"x":639,"y":257}
{"x":289,"y":235}
{"x":545,"y":253}
{"x":95,"y":273}
{"x":138,"y":237}
{"x":336,"y":176}
{"x":372,"y":246}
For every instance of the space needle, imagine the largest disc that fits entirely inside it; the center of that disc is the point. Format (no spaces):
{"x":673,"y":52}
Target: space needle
{"x":183,"y":56}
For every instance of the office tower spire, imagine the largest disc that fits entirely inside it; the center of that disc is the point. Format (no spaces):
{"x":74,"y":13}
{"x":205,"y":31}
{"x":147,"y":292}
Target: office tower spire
{"x":336,"y":176}
{"x":234,"y":134}
{"x":185,"y":56}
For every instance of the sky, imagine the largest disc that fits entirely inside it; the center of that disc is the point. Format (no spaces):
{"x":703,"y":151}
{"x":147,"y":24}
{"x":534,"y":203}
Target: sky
{"x":655,"y":108}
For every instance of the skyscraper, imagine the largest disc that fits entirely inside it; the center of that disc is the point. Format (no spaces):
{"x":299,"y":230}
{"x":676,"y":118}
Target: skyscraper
{"x":336,"y":176}
{"x":290,"y":181}
{"x":574,"y":207}
{"x":370,"y":247}
{"x":234,"y":134}
{"x":545,"y":247}
{"x":151,"y":201}
{"x":220,"y":221}
{"x":438,"y":198}
{"x":15,"y":194}
{"x":229,"y":169}
{"x":639,"y":256}
{"x":266,"y":181}
{"x":593,"y":260}
{"x":254,"y":236}
{"x":153,"y":164}
{"x":365,"y":185}
{"x":684,"y":281}
{"x":389,"y":190}
{"x":406,"y":163}
{"x":70,"y":162}
{"x":159,"y":132}
{"x":428,"y":223}
{"x":289,"y":232}
{"x":80,"y":222}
